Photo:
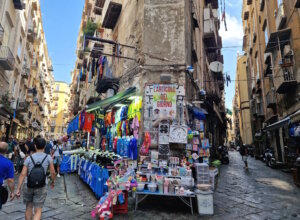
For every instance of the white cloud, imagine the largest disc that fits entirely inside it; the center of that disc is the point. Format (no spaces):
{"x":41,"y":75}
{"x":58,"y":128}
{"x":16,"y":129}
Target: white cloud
{"x":234,"y":33}
{"x":234,"y":3}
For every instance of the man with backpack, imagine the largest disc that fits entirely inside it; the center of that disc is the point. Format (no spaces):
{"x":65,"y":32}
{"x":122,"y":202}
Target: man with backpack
{"x":6,"y":173}
{"x":35,"y":191}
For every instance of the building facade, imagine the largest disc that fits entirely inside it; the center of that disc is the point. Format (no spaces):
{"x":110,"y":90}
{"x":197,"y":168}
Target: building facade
{"x":59,"y":109}
{"x":152,"y":42}
{"x":241,"y":103}
{"x":25,"y":69}
{"x":271,"y":45}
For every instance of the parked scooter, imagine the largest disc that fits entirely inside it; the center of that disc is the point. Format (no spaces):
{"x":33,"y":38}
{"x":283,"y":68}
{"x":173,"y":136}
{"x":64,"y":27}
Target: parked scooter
{"x":223,"y":154}
{"x":270,"y":158}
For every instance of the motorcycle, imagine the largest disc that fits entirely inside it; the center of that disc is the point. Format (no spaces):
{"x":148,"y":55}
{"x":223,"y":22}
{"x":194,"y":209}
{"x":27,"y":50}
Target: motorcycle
{"x":270,"y":158}
{"x":223,"y":154}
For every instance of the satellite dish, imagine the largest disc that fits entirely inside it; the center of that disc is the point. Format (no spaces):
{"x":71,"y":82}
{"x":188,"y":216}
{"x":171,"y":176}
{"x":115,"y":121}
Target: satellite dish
{"x":216,"y":66}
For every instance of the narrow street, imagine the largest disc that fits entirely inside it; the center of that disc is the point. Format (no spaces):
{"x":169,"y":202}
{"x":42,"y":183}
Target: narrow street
{"x":260,"y":193}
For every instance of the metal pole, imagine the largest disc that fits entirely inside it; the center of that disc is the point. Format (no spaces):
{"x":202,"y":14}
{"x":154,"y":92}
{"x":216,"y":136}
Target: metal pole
{"x":88,"y":141}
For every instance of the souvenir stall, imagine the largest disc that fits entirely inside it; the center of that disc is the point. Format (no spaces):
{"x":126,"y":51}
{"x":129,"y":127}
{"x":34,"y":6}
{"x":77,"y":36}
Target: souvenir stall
{"x":174,"y":156}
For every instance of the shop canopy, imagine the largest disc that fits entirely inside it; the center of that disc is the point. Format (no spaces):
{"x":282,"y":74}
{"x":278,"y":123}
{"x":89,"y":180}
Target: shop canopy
{"x":118,"y":98}
{"x":278,"y":124}
{"x":277,"y":39}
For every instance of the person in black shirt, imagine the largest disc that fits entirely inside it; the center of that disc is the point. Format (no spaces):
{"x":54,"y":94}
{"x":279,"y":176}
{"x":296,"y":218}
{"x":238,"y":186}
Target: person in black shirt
{"x":30,"y":147}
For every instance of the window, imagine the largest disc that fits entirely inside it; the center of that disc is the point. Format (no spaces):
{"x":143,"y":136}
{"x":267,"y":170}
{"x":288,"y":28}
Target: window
{"x":257,"y":68}
{"x":57,"y":87}
{"x":52,"y":129}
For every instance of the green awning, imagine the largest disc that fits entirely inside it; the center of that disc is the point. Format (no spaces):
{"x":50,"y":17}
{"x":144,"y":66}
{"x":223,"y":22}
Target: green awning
{"x":119,"y":97}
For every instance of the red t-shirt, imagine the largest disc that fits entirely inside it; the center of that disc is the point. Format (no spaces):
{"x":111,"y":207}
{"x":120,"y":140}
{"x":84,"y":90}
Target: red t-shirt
{"x":88,"y":122}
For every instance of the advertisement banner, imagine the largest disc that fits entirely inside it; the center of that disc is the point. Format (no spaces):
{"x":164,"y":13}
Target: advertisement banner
{"x":164,"y":101}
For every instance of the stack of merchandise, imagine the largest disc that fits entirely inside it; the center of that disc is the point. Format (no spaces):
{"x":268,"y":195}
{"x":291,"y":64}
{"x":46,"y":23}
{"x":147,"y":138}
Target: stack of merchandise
{"x":69,"y":164}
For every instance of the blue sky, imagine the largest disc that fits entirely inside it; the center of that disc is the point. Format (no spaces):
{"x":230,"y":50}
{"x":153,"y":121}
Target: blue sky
{"x":61,"y":20}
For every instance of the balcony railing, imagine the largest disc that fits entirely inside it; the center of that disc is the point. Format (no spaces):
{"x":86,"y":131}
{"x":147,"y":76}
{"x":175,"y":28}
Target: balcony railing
{"x":280,"y":17}
{"x":31,"y":34}
{"x":271,"y":99}
{"x":210,"y":33}
{"x":26,"y":72}
{"x":7,"y":60}
{"x":287,"y":81}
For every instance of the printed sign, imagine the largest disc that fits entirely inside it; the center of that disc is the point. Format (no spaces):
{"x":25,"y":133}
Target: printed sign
{"x":164,"y":101}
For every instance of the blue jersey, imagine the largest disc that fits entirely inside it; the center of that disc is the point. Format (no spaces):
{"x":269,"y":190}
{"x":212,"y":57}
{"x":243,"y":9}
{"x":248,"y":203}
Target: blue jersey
{"x":6,"y":169}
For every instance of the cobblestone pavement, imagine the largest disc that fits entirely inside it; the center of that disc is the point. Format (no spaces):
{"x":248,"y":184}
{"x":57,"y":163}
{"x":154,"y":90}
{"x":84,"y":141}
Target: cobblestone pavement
{"x":259,"y":193}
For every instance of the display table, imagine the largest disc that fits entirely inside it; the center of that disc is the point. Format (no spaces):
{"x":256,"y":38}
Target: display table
{"x":185,"y":198}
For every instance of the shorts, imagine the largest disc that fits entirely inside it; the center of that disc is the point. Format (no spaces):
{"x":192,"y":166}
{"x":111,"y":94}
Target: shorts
{"x":57,"y":160}
{"x":245,"y":158}
{"x":36,"y":196}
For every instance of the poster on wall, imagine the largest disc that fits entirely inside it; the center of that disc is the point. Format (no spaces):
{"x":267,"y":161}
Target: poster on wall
{"x":164,"y":101}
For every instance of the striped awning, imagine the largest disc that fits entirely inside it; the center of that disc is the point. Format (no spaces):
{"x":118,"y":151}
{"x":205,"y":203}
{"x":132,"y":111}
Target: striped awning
{"x":105,"y":103}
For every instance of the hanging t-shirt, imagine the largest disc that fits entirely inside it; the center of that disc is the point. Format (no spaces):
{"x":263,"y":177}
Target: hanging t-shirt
{"x":135,"y":126}
{"x":119,"y":146}
{"x":88,"y":122}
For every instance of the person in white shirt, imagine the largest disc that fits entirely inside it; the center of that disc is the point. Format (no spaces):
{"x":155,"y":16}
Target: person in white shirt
{"x":57,"y":155}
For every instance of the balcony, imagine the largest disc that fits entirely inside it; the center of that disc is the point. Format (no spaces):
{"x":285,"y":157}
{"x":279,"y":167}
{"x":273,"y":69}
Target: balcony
{"x":34,"y":5}
{"x":1,"y":34}
{"x":26,"y":72}
{"x":271,"y":99}
{"x":260,"y":110}
{"x":280,"y":17}
{"x":18,"y":4}
{"x":210,"y":33}
{"x":112,"y":15}
{"x":287,"y":82}
{"x":7,"y":60}
{"x":50,"y":68}
{"x":31,"y":34}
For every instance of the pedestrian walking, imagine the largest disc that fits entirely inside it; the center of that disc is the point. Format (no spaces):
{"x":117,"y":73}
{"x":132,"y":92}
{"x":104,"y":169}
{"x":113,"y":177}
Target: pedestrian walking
{"x":244,"y":153}
{"x":57,"y":152}
{"x":48,"y":148}
{"x":34,"y":173}
{"x":30,"y":146}
{"x":6,"y":173}
{"x":21,"y":152}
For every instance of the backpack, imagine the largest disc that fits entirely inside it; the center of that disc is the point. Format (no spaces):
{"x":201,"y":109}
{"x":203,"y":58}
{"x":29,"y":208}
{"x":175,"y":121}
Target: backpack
{"x":37,"y":176}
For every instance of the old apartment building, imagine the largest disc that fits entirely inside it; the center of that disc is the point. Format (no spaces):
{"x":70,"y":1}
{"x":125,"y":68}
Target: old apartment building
{"x":272,"y":47}
{"x":241,"y":104}
{"x":148,"y":42}
{"x":25,"y":69}
{"x":59,"y":109}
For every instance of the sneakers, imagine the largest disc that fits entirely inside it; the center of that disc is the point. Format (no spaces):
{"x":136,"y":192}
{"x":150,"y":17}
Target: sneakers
{"x":58,"y":175}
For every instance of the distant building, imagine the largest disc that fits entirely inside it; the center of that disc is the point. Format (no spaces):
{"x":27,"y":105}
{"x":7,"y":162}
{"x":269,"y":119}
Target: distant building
{"x":241,"y":106}
{"x":59,"y":109}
